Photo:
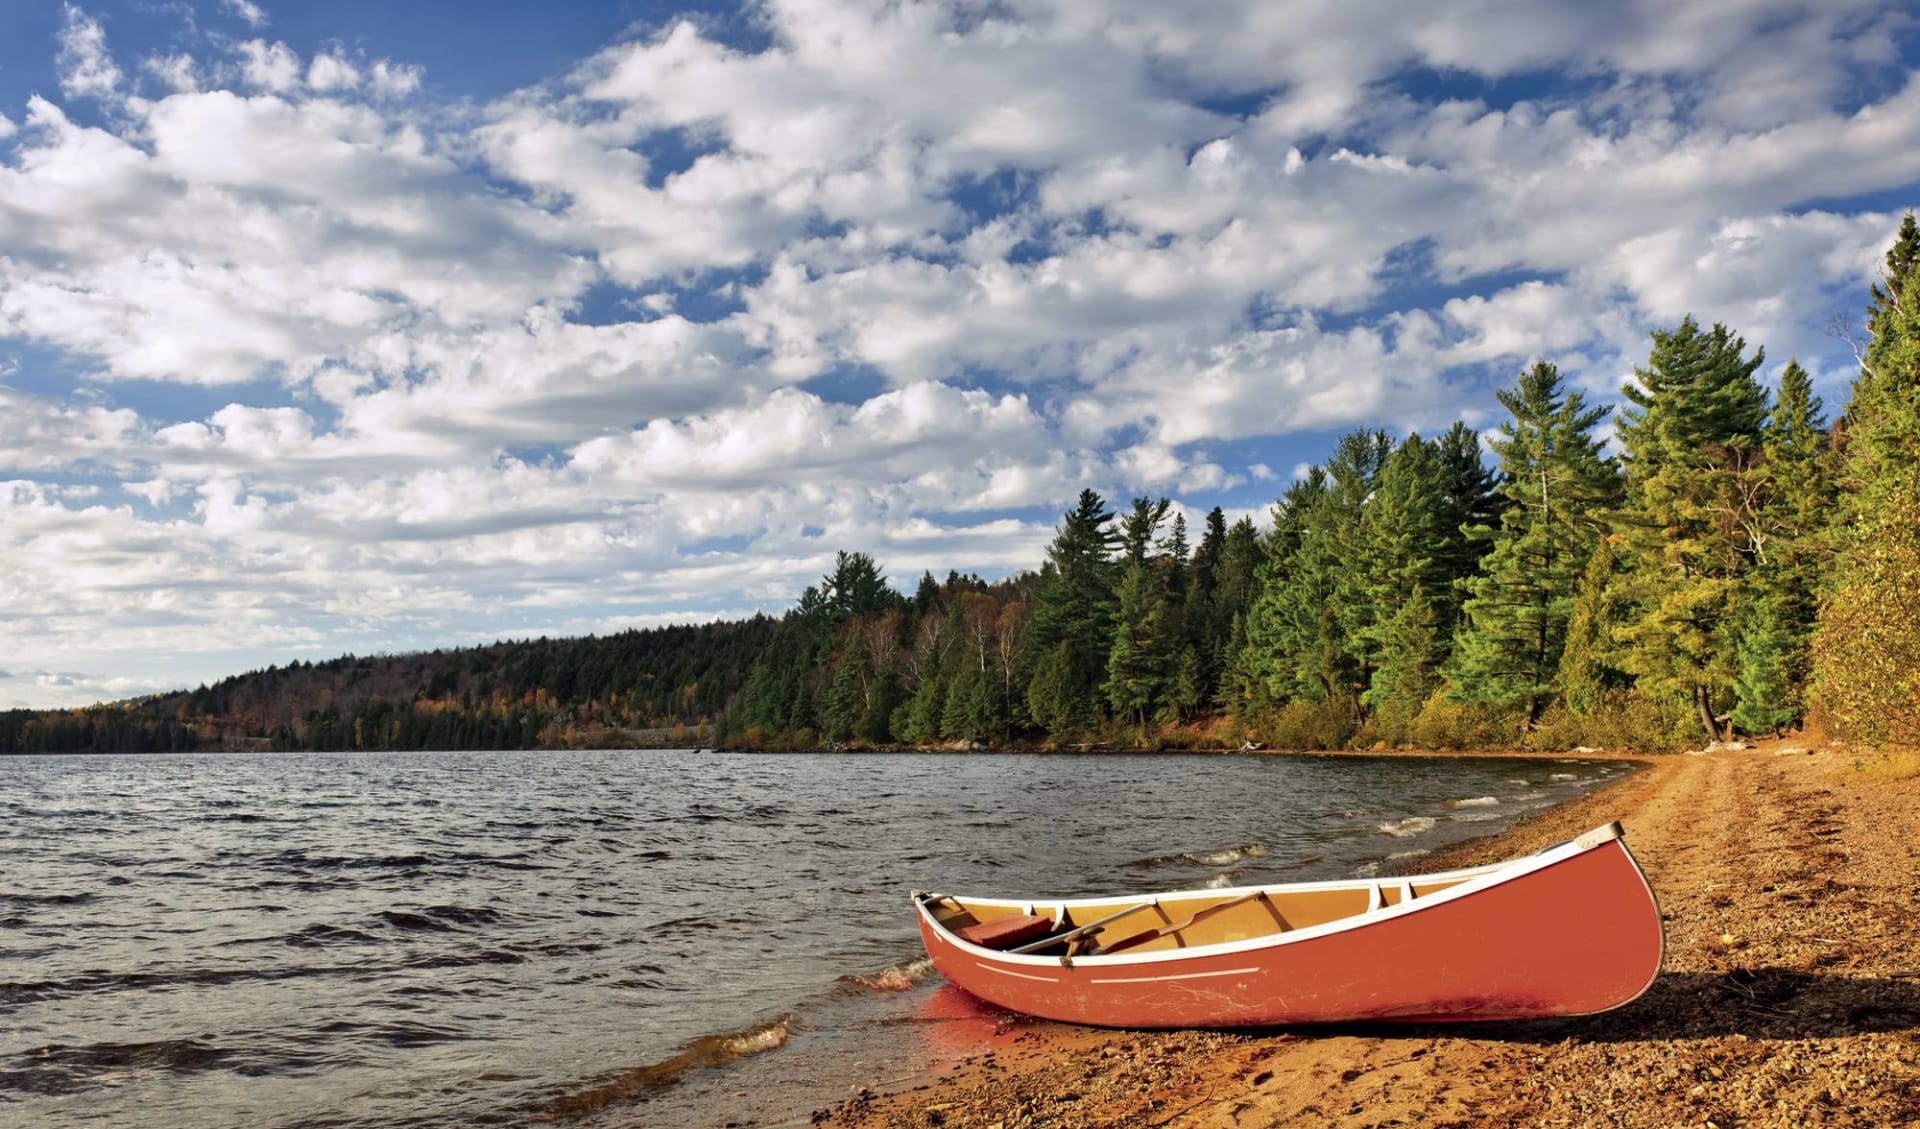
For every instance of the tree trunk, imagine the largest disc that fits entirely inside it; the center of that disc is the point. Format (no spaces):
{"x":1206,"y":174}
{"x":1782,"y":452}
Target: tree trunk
{"x":1706,"y":713}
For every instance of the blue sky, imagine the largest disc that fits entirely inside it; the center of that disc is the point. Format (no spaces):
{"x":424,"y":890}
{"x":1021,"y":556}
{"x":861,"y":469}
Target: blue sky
{"x":362,"y":327}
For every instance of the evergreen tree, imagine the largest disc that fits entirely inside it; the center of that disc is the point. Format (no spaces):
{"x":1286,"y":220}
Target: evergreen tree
{"x":1053,"y":698}
{"x":1408,"y":524}
{"x":1471,"y":500}
{"x":1073,"y":607}
{"x":1410,"y":663}
{"x":918,"y":721}
{"x":846,"y":701}
{"x":1559,"y":488}
{"x":856,"y":587}
{"x":1763,"y":685}
{"x":1140,"y":662}
{"x":1140,"y":528}
{"x":1589,"y":665}
{"x":1784,"y":585}
{"x":1311,"y":599}
{"x":1173,"y":550}
{"x":1692,"y":444}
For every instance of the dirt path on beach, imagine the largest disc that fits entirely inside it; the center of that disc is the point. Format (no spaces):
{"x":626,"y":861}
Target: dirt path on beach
{"x":1790,"y":996}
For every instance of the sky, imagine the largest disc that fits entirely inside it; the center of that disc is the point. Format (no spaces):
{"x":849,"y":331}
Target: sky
{"x":361,"y":327}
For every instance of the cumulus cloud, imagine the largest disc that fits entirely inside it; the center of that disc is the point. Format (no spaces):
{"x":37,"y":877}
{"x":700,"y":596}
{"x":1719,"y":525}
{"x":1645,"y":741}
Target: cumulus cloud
{"x":250,"y":13}
{"x":87,"y":70}
{"x":660,"y":333}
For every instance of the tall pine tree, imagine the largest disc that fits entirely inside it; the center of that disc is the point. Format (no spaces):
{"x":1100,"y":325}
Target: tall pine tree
{"x":1559,"y":487}
{"x":1692,"y":441}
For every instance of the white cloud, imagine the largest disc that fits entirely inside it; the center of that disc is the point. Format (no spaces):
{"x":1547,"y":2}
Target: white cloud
{"x":252,"y":14}
{"x":87,"y":70}
{"x":177,"y":71}
{"x":270,"y":66}
{"x":329,"y":72}
{"x":394,"y":80}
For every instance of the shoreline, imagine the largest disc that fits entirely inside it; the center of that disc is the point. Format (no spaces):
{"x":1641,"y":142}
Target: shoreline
{"x":1788,"y":995}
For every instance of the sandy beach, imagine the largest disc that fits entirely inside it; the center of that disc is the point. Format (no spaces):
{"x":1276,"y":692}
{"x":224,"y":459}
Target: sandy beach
{"x":1790,"y":994}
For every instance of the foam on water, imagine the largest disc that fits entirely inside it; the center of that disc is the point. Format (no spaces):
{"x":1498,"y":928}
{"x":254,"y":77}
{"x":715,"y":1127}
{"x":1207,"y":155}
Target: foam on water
{"x":894,"y":978}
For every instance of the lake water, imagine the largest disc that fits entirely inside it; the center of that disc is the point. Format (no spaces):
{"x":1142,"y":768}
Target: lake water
{"x":602,"y":938}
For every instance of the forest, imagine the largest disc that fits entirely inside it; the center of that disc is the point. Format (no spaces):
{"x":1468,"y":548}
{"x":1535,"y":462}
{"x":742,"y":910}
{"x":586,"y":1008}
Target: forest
{"x":1716,"y":558}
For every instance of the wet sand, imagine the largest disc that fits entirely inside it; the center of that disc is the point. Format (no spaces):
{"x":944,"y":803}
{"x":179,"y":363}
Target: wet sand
{"x":1790,"y":995}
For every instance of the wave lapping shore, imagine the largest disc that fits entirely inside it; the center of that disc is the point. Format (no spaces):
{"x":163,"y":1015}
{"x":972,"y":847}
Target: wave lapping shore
{"x":1790,"y":996}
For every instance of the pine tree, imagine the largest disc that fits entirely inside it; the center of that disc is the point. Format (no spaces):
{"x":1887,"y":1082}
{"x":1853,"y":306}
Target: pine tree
{"x":1763,"y":684}
{"x":856,"y":586}
{"x":1073,"y":608}
{"x":1470,"y":500}
{"x":1688,"y":524}
{"x":1053,"y":698}
{"x":1199,"y":614}
{"x":1559,"y":488}
{"x":1405,"y":532}
{"x":1309,"y":598}
{"x":1783,"y":590}
{"x":1589,"y":664}
{"x":1140,"y":662}
{"x":846,"y":700}
{"x":1140,"y":528}
{"x":1411,"y":648}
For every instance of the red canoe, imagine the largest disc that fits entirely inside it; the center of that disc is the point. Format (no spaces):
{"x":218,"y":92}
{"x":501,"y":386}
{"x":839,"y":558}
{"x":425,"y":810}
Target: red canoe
{"x":1569,"y":931}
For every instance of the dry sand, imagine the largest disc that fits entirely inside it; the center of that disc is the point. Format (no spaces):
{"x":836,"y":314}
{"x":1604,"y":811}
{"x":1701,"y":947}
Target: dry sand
{"x":1790,"y":996}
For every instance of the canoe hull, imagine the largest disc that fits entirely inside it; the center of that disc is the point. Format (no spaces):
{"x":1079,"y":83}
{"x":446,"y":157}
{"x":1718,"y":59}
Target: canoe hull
{"x":1573,"y":936}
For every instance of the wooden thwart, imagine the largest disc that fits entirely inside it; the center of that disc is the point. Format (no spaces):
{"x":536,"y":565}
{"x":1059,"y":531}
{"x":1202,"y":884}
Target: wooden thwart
{"x":1088,"y":929}
{"x":1197,"y":916}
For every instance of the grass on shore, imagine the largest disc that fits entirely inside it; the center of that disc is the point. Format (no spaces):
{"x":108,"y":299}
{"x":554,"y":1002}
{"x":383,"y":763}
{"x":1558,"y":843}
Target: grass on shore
{"x":1889,"y":765}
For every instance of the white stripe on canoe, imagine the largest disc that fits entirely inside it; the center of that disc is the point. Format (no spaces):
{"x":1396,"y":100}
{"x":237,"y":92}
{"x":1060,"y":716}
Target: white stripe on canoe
{"x":1021,"y":975}
{"x":1176,"y":976}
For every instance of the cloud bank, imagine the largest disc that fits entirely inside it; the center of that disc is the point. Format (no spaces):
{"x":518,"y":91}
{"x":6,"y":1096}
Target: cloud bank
{"x":297,"y":359}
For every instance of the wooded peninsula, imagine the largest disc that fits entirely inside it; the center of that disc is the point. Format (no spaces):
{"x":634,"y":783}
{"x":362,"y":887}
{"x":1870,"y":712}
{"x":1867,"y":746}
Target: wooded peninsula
{"x":1740,"y":564}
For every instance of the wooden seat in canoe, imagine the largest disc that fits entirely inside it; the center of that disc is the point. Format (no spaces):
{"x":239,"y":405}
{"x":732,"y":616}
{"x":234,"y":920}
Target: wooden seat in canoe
{"x":1006,"y":932}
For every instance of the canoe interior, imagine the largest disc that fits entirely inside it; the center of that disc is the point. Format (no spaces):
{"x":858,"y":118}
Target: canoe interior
{"x":1188,"y":920}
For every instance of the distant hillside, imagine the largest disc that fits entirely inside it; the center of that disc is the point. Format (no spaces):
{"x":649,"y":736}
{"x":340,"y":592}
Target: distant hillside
{"x":658,"y":686}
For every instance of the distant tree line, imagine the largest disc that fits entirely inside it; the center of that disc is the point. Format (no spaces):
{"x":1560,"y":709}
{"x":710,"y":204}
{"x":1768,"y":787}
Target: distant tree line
{"x":1733,"y":563}
{"x":614,"y":689}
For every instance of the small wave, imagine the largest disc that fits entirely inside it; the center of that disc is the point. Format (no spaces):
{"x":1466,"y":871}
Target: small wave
{"x":63,"y":1068}
{"x":414,"y":922}
{"x":1524,"y":796}
{"x":1407,"y":828}
{"x":1413,"y":854}
{"x":1225,"y":856}
{"x":703,"y":1053}
{"x":1474,"y":817}
{"x":47,"y":899}
{"x":1476,"y":802}
{"x":314,"y":936}
{"x":1564,"y":776}
{"x":1222,"y":880}
{"x":464,"y":915}
{"x":896,"y":978}
{"x":395,"y":1034}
